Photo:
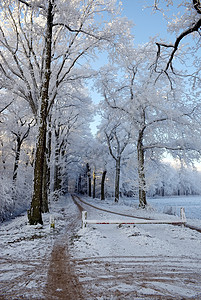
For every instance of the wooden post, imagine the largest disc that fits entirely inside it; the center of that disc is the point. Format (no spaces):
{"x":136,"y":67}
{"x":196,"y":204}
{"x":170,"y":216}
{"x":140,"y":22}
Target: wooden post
{"x":183,"y":216}
{"x":84,"y":218}
{"x":52,"y":222}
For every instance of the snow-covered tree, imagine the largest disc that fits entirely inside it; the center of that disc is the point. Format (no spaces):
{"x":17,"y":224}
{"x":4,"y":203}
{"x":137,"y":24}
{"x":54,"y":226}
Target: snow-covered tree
{"x":70,"y":119}
{"x":161,"y":118}
{"x":42,"y":42}
{"x":16,"y":168}
{"x":117,"y":136}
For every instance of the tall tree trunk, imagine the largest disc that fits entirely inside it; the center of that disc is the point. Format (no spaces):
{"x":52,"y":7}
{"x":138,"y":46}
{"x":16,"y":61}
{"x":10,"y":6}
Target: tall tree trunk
{"x":79,"y":184}
{"x":117,"y":178}
{"x":89,"y":185}
{"x":89,"y":179}
{"x":141,"y":173}
{"x":46,"y":181}
{"x":94,"y":184}
{"x":103,"y":185}
{"x":35,"y":212}
{"x":45,"y":207}
{"x":17,"y":158}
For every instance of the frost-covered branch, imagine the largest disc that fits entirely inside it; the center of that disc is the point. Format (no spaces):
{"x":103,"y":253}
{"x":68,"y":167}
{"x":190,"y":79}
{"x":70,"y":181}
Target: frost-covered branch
{"x":79,"y":31}
{"x":175,"y":46}
{"x":197,"y":6}
{"x":167,"y":147}
{"x":30,"y":4}
{"x":6,"y":107}
{"x":193,"y":22}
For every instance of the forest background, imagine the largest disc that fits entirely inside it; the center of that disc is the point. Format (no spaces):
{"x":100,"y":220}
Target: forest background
{"x":146,"y":92}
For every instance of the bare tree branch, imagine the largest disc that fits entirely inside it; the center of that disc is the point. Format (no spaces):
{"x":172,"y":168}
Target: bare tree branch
{"x":159,"y":146}
{"x":29,"y":4}
{"x":197,"y":6}
{"x":175,"y":46}
{"x":78,"y":30}
{"x":6,"y":107}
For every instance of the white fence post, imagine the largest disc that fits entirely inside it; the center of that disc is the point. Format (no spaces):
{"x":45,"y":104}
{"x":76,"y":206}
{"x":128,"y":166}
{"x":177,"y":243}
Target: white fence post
{"x":183,"y":216}
{"x":84,"y":218}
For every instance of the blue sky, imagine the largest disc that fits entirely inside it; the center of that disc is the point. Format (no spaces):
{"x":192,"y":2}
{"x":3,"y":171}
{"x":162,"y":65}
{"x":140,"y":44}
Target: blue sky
{"x":147,"y":23}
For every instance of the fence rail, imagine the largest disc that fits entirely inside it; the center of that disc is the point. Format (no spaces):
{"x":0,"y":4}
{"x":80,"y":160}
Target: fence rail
{"x":182,"y":221}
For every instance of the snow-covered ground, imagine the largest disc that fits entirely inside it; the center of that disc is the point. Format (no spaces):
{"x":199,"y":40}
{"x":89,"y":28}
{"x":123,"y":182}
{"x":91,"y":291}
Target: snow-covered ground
{"x":26,"y":251}
{"x":111,"y":261}
{"x":129,"y":239}
{"x":150,"y":260}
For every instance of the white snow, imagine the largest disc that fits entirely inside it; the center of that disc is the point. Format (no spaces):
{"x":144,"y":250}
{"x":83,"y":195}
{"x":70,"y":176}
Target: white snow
{"x":110,"y":257}
{"x":169,"y":250}
{"x":156,"y":239}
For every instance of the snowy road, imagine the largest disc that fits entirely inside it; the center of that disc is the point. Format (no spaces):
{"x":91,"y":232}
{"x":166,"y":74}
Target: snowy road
{"x":103,"y":262}
{"x":140,"y":262}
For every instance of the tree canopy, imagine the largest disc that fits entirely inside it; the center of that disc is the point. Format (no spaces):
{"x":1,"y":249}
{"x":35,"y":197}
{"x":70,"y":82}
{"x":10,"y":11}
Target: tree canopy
{"x":149,"y":108}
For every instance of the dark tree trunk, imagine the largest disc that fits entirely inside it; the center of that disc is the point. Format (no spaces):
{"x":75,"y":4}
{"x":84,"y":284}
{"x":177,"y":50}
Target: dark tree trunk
{"x":89,"y":183}
{"x":94,"y":184}
{"x":17,"y":158}
{"x":103,"y":185}
{"x":89,"y":179}
{"x":19,"y":140}
{"x":117,"y":178}
{"x":45,"y":207}
{"x":79,"y":184}
{"x":46,"y":177}
{"x":35,"y":212}
{"x":141,"y":173}
{"x":163,"y":190}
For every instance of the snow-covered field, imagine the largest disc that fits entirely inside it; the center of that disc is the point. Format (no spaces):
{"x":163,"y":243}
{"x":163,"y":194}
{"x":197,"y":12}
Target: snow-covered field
{"x":146,"y":234}
{"x":140,"y":261}
{"x":112,"y":262}
{"x":192,"y":205}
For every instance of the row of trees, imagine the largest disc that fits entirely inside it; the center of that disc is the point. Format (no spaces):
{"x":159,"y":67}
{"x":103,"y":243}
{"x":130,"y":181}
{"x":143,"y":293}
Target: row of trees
{"x":151,"y":101}
{"x":46,"y":46}
{"x":148,"y":108}
{"x":144,"y":114}
{"x":162,"y":179}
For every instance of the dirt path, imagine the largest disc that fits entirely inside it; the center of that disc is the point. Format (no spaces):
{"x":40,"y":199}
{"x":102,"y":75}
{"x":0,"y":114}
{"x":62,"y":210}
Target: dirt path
{"x":62,"y":282}
{"x":39,"y":266}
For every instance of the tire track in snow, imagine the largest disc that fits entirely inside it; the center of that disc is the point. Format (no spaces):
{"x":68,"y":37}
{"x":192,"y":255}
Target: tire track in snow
{"x":105,"y":210}
{"x":139,"y":277}
{"x":126,"y":215}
